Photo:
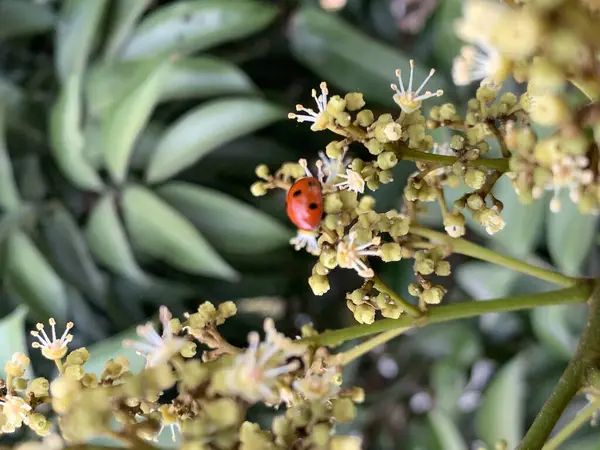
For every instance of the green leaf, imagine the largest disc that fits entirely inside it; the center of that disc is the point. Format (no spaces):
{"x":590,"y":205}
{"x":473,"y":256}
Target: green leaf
{"x":160,"y":231}
{"x":485,"y":281}
{"x":34,"y":280}
{"x":229,"y":224}
{"x":501,"y":413}
{"x":446,"y":430}
{"x":12,"y":336}
{"x":70,"y":253}
{"x":67,"y":137}
{"x":448,"y":382}
{"x":22,"y":18}
{"x":9,"y":194}
{"x":552,"y":329}
{"x":200,"y":77}
{"x":570,"y":236}
{"x":130,"y":115}
{"x":591,"y":442}
{"x":79,"y":22}
{"x":204,"y":129}
{"x":189,"y":26}
{"x":524,"y":223}
{"x":350,"y":59}
{"x":111,"y":348}
{"x":124,"y":18}
{"x":108,"y":241}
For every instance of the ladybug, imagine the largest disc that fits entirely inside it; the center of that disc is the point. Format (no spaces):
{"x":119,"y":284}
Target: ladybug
{"x":304,"y":203}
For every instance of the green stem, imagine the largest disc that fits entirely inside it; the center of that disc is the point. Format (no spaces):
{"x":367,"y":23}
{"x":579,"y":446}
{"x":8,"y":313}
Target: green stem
{"x":368,"y":345}
{"x":572,"y":380}
{"x":405,"y":305}
{"x":578,"y":421}
{"x":575,"y":294}
{"x":467,"y":248}
{"x":501,"y":142}
{"x":403,"y":152}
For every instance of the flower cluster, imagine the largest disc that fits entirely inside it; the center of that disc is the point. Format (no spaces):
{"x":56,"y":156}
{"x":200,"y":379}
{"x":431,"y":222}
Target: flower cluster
{"x":212,"y":396}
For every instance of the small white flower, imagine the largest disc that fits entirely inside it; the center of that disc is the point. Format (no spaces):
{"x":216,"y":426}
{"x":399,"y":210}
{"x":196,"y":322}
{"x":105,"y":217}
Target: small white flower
{"x":352,"y":181}
{"x":168,"y":420}
{"x":315,"y":386}
{"x":349,"y":255}
{"x":157,"y":349}
{"x":53,"y":349}
{"x":317,"y":118}
{"x":479,"y":18}
{"x":481,"y":62}
{"x":570,"y":173}
{"x":16,"y":410}
{"x":255,"y":372}
{"x":306,"y":239}
{"x":409,"y":100}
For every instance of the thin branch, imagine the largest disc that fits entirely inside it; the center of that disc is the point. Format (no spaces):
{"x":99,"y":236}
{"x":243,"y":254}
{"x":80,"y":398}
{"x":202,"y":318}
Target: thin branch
{"x":409,"y":308}
{"x":578,"y":421}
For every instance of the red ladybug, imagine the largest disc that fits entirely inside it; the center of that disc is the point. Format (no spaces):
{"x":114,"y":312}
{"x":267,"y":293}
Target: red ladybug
{"x":304,"y":203}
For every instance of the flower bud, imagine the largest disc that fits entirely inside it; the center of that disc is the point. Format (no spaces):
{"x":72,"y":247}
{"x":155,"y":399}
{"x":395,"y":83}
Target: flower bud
{"x":262,"y":171}
{"x":475,"y":178}
{"x":334,"y":149}
{"x":364,"y":313}
{"x":390,"y":251}
{"x":336,"y":105}
{"x":387,"y":160}
{"x":454,"y":224}
{"x":391,"y":311}
{"x":39,"y":387}
{"x":442,"y":268}
{"x":258,"y":189}
{"x":434,"y":295}
{"x":475,"y":201}
{"x":188,"y":350}
{"x":332,"y":203}
{"x":319,"y":284}
{"x":343,"y":410}
{"x":354,"y":101}
{"x":374,"y":146}
{"x":365,"y":118}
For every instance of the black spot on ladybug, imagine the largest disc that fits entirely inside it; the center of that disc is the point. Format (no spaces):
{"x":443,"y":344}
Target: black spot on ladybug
{"x":313,"y":206}
{"x":297,"y":193}
{"x":311,"y":184}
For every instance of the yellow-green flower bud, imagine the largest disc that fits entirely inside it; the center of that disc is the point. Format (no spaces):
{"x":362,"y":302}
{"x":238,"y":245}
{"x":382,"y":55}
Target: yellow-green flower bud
{"x":457,"y":142}
{"x":391,"y":311}
{"x":334,"y":149}
{"x":365,"y":118}
{"x":356,"y":296}
{"x":38,"y":423}
{"x":447,"y":112}
{"x":390,"y":251}
{"x":332,"y":203}
{"x":475,"y":178}
{"x":320,"y":434}
{"x":442,"y":268}
{"x":299,"y":415}
{"x":281,"y":426}
{"x":392,"y":132}
{"x":262,"y":171}
{"x":364,"y":313}
{"x":90,"y":380}
{"x":354,"y":101}
{"x":345,"y":443}
{"x":188,"y":350}
{"x":541,"y":176}
{"x":357,"y":394}
{"x":75,"y":372}
{"x":331,"y":221}
{"x":454,"y":224}
{"x":475,"y":201}
{"x":485,"y":94}
{"x":319,"y":284}
{"x":387,"y":160}
{"x":434,"y":295}
{"x":78,"y":357}
{"x":328,"y":258}
{"x":223,"y":412}
{"x":19,"y":384}
{"x":366,"y":203}
{"x":373,"y":183}
{"x":320,"y":269}
{"x":547,"y":152}
{"x":517,"y":33}
{"x":424,"y":266}
{"x":336,"y":105}
{"x":549,"y":110}
{"x":459,"y":169}
{"x":374,"y":146}
{"x":472,"y":154}
{"x":386,"y":176}
{"x":17,"y":365}
{"x":258,"y":189}
{"x":343,"y":410}
{"x":39,"y":387}
{"x":453,"y":181}
{"x":575,"y":145}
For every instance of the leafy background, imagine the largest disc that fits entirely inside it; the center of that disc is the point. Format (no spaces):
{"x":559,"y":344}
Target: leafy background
{"x":129,"y":134}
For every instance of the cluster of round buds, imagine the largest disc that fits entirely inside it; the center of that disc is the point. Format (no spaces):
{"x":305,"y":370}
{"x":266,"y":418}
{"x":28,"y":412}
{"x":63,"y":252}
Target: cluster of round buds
{"x":364,"y":305}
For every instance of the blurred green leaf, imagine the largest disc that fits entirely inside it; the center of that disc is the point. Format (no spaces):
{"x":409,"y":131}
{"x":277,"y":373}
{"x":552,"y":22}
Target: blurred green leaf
{"x":524,"y":223}
{"x":111,"y":348}
{"x":484,"y":281}
{"x":34,"y":280}
{"x":70,"y":253}
{"x":31,"y":178}
{"x":75,"y":34}
{"x":204,"y":129}
{"x":591,"y":442}
{"x":329,"y":46}
{"x":22,"y":17}
{"x":456,"y":341}
{"x":551,"y":327}
{"x":124,"y":18}
{"x":130,"y":115}
{"x":199,"y":77}
{"x":161,"y":232}
{"x":446,"y":431}
{"x":570,"y":235}
{"x":446,"y":43}
{"x":189,"y":26}
{"x":9,"y":195}
{"x":12,"y":336}
{"x":230,"y":225}
{"x":448,"y":382}
{"x":108,"y":241}
{"x":500,"y":415}
{"x":67,"y":137}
